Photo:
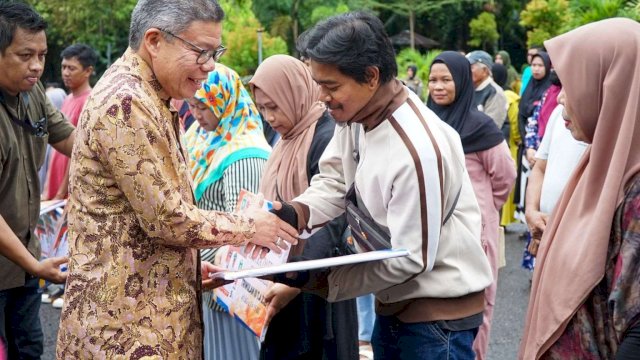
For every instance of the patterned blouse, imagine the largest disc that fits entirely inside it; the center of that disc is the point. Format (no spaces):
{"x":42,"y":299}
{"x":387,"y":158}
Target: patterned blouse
{"x":613,"y":308}
{"x":134,"y":284}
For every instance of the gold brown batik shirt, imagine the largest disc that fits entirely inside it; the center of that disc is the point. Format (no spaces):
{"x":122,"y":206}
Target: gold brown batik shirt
{"x":134,"y":286}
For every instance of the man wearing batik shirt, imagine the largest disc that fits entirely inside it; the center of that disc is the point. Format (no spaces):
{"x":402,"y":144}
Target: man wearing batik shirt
{"x":134,"y":285}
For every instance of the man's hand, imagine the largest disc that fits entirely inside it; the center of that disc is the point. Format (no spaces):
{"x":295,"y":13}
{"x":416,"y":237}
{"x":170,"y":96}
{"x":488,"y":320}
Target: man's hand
{"x":49,"y":269}
{"x":207,"y":283}
{"x":278,"y":297}
{"x":271,"y":232}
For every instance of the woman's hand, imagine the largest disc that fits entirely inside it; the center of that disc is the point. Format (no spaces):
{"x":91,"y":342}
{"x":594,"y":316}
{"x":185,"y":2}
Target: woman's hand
{"x":531,"y":157}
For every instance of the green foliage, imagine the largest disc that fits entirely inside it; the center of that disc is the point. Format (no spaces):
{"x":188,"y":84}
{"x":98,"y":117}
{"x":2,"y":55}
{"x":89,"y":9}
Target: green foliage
{"x":408,"y":57}
{"x":631,"y":10}
{"x":484,"y":32}
{"x":241,"y":38}
{"x":289,"y":18}
{"x":548,"y":18}
{"x":407,"y":7}
{"x":587,"y":11}
{"x":545,"y":19}
{"x":104,"y":27}
{"x":322,"y":12}
{"x":443,"y":20}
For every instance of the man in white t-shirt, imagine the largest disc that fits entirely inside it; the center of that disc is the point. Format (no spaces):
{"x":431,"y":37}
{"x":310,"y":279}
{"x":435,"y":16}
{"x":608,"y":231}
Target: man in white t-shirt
{"x":556,"y":159}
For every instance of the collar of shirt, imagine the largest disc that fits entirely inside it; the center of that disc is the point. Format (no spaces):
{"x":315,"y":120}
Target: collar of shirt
{"x":145,"y":71}
{"x":484,"y":84}
{"x":15,"y":105}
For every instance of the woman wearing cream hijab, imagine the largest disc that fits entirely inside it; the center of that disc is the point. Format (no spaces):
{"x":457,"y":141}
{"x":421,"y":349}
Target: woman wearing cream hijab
{"x":585,"y":296}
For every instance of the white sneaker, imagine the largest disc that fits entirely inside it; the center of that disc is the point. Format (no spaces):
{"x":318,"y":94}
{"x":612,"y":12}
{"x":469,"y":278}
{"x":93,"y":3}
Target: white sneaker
{"x":58,"y":303}
{"x":46,"y":299}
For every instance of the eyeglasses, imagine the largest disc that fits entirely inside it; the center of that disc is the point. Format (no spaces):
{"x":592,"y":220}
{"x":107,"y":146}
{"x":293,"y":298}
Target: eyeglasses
{"x":205,"y":55}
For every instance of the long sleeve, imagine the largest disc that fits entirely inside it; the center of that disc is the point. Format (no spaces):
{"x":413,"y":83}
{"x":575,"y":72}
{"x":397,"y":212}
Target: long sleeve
{"x":499,"y":165}
{"x":327,"y":241}
{"x":147,"y":171}
{"x":328,"y":187}
{"x":410,"y":169}
{"x":406,"y":218}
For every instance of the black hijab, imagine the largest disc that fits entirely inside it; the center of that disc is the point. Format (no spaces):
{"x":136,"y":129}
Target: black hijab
{"x":499,"y":73}
{"x":534,"y":91}
{"x":477,"y":131}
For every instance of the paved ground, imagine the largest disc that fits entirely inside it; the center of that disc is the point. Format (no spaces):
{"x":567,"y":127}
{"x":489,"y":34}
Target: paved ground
{"x":513,"y":294}
{"x":511,"y":302}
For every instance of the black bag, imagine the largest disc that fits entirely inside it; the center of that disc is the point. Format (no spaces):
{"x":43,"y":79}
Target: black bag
{"x":362,"y":229}
{"x":365,"y":231}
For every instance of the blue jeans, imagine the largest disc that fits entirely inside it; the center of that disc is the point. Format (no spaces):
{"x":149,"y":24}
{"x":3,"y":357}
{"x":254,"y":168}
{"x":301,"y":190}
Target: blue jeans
{"x":366,"y":317}
{"x":20,"y":326}
{"x":394,"y":339}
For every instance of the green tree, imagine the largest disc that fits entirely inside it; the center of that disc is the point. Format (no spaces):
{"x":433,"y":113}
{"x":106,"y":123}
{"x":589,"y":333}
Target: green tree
{"x":632,"y":10}
{"x":484,"y":32}
{"x":104,"y":27}
{"x":289,"y":18}
{"x":513,"y":37}
{"x":423,"y":62}
{"x":240,"y":36}
{"x":409,"y":9}
{"x":586,"y":11}
{"x":545,"y":19}
{"x":322,"y":12}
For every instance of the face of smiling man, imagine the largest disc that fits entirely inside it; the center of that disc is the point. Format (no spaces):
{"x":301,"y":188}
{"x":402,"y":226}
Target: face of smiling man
{"x":174,"y":61}
{"x":344,"y":96}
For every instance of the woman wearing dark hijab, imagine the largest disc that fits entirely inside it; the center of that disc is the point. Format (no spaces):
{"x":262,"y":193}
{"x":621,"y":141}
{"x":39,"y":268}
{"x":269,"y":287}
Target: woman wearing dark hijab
{"x":513,"y":79}
{"x":487,"y":158}
{"x":539,"y":83}
{"x":531,"y":98}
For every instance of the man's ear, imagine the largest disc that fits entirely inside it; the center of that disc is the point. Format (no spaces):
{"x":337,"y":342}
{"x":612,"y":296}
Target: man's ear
{"x":373,"y":76}
{"x":89,"y":70}
{"x":152,"y":41}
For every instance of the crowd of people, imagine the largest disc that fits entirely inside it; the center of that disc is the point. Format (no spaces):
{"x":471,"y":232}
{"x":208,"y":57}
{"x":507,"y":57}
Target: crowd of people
{"x":153,"y":158}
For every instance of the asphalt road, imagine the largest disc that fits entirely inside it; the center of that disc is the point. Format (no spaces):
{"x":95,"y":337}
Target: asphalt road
{"x":513,"y":294}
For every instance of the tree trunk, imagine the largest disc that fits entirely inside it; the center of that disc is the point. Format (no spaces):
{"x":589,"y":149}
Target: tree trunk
{"x":412,"y":36}
{"x":294,"y":18}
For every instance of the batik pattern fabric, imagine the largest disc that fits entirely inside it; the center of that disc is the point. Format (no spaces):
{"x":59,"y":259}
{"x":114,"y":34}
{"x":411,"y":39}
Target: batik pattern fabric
{"x":134,"y":284}
{"x":238,"y":134}
{"x":595,"y":331}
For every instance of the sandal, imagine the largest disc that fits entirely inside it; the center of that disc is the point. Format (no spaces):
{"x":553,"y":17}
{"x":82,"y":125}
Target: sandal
{"x":366,"y":352}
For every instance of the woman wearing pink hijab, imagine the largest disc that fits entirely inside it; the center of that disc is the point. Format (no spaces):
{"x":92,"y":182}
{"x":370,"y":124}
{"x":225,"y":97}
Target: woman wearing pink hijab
{"x":585,"y":296}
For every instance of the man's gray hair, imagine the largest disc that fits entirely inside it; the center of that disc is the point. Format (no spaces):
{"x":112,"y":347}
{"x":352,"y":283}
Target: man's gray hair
{"x":174,"y":16}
